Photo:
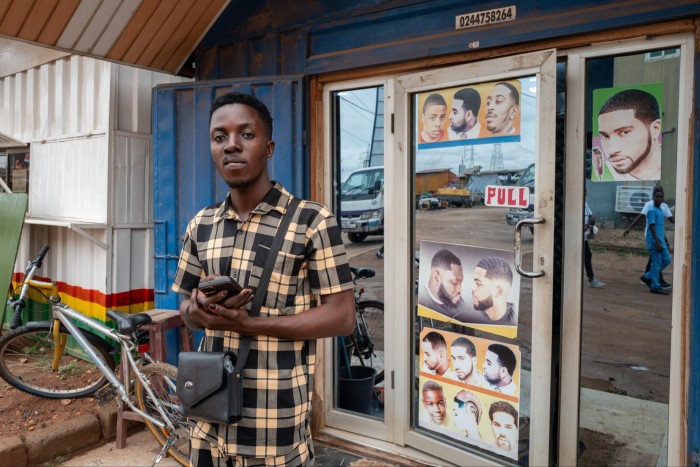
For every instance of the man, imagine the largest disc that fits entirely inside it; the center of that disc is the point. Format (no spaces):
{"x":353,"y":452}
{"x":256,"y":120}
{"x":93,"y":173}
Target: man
{"x":493,"y":279}
{"x":668,"y":214}
{"x":463,"y":356}
{"x":464,"y":121}
{"x":443,"y":292}
{"x":433,"y":118}
{"x":311,"y":296}
{"x":435,"y":359}
{"x":629,"y":124}
{"x":499,"y":368}
{"x":467,"y":413}
{"x":502,"y":106}
{"x":656,"y":244}
{"x":433,"y":398}
{"x":504,"y":423}
{"x":589,"y":230}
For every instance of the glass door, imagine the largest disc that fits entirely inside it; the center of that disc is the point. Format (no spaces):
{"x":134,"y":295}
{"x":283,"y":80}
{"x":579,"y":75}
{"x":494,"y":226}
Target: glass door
{"x":474,"y":162}
{"x":627,"y":179}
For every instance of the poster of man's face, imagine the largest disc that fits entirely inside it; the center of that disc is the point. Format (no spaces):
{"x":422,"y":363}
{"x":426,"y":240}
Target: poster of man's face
{"x":626,"y":141}
{"x":471,"y":286}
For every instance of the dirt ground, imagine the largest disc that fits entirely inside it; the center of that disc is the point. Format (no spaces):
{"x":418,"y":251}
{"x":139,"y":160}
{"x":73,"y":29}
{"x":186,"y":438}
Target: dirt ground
{"x":626,"y":330}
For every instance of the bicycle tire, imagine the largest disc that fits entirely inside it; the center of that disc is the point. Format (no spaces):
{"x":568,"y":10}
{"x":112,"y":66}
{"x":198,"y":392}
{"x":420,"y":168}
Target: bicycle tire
{"x":155,"y":372}
{"x":26,"y":355}
{"x":370,"y":340}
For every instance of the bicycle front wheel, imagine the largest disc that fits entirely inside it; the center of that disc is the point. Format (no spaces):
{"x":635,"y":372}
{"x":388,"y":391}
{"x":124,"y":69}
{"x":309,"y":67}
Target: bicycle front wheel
{"x":26,"y":362}
{"x":162,"y":379}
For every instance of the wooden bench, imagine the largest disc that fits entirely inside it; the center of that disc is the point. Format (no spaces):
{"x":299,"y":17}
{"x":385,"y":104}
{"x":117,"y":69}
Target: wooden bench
{"x":163,"y":320}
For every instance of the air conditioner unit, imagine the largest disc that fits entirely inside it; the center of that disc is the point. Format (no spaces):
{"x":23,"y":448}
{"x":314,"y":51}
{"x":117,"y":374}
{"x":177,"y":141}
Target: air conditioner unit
{"x":632,"y":199}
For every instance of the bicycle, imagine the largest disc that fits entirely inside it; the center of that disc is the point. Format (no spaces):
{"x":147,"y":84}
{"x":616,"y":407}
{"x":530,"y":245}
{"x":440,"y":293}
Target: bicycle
{"x":369,"y":322}
{"x":58,"y":359}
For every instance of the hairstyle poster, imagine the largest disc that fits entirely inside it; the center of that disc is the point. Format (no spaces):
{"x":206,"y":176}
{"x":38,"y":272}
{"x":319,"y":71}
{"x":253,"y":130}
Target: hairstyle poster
{"x":470,"y":286}
{"x":471,"y":394}
{"x":472,"y":114}
{"x":626,"y":137}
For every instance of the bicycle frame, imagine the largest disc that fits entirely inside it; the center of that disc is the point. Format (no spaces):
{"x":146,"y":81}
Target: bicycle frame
{"x":63,"y":314}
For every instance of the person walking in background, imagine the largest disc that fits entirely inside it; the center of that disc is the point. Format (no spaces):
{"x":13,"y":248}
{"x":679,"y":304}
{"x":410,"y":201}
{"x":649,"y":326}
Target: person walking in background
{"x":656,"y":243}
{"x":589,"y":230}
{"x":642,"y":215}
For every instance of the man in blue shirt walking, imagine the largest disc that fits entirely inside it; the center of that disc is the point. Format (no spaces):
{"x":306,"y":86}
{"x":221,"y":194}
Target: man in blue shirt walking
{"x":656,"y":243}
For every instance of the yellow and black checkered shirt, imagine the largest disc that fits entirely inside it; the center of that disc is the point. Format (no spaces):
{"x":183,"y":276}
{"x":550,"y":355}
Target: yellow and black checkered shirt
{"x":278,"y":377}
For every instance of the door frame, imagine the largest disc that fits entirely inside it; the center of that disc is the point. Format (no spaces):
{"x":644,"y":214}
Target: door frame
{"x":572,"y":276}
{"x":542,"y":64}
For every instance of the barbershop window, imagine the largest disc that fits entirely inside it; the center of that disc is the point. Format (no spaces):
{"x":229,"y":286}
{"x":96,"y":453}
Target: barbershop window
{"x":14,"y":169}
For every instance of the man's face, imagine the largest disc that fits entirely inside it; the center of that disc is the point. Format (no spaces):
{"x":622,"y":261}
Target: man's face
{"x":239,"y":144}
{"x":482,"y":290}
{"x":658,"y":198}
{"x":458,"y":117}
{"x":434,"y":403}
{"x":430,"y":356}
{"x":492,"y":369}
{"x":500,"y":110}
{"x":450,"y":284}
{"x":626,"y":140}
{"x":462,"y":362}
{"x":433,"y":118}
{"x":504,"y":430}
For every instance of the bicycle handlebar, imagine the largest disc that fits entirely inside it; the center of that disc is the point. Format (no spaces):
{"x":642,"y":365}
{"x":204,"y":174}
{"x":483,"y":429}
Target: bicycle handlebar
{"x":20,"y":303}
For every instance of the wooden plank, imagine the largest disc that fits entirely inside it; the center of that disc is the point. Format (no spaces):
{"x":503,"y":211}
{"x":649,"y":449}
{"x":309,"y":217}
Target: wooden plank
{"x":133,"y":29}
{"x":148,"y":33}
{"x":100,"y":20}
{"x":38,"y":17}
{"x":60,"y":16}
{"x":116,"y":25}
{"x":170,"y":32}
{"x":15,"y":17}
{"x":76,"y":26}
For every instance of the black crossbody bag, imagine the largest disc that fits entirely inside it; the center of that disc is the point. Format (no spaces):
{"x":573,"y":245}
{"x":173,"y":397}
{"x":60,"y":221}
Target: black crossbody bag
{"x":210,"y":384}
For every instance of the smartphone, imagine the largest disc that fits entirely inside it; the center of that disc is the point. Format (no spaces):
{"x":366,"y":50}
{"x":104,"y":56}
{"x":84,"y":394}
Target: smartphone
{"x":226,"y":283}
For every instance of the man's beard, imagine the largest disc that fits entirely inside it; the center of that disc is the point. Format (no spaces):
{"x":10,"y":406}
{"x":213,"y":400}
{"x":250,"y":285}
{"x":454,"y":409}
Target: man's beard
{"x":639,"y":160}
{"x":466,"y":375}
{"x":485,"y":304}
{"x":462,"y":127}
{"x":444,"y":297}
{"x":244,"y":184}
{"x":492,"y":381}
{"x":504,"y":443}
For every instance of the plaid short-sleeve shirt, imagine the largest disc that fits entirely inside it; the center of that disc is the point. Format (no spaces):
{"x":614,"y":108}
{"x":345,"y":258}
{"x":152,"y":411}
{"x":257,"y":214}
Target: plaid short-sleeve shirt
{"x":278,"y":378}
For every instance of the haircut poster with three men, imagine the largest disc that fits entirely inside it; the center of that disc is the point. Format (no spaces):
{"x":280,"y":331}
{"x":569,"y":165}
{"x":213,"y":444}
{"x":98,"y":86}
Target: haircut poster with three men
{"x":469,"y":286}
{"x":469,"y":390}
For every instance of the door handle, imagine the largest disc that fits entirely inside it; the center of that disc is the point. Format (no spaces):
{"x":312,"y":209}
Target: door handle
{"x":518,"y":254}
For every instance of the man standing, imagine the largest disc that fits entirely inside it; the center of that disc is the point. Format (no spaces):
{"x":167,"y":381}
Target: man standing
{"x":656,"y":244}
{"x":493,"y":279}
{"x":310,"y":298}
{"x":434,"y":403}
{"x":464,"y":121}
{"x":463,"y":355}
{"x":435,"y":359}
{"x":443,"y":292}
{"x":433,"y":118}
{"x":589,"y":230}
{"x":499,"y":368}
{"x":629,"y":124}
{"x":504,"y":423}
{"x":502,"y":106}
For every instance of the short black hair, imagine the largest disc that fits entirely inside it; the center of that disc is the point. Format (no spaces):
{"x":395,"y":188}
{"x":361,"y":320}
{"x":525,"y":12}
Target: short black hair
{"x":431,"y":386}
{"x":506,"y":357}
{"x":644,"y":105}
{"x":471,"y":99}
{"x":466,"y":344}
{"x":244,"y":99}
{"x":444,"y":259}
{"x":496,"y":268}
{"x":434,"y":99}
{"x":436,"y":340}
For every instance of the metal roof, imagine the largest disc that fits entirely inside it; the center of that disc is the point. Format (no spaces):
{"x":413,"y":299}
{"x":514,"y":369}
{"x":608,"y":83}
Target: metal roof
{"x":154,"y":34}
{"x":7,"y":141}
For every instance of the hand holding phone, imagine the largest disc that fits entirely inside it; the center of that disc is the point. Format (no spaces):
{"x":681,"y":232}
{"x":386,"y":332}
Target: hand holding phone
{"x":215,"y":286}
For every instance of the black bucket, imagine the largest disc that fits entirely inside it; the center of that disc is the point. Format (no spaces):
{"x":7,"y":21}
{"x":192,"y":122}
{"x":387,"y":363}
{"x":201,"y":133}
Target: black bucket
{"x":355,"y":389}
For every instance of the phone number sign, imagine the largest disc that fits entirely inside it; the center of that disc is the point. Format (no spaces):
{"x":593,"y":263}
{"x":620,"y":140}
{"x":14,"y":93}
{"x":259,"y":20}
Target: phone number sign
{"x":482,"y":18}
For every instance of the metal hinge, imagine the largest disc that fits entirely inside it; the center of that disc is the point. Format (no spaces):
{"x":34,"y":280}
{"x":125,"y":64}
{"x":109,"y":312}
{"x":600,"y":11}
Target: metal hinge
{"x":392,"y":123}
{"x":392,"y":380}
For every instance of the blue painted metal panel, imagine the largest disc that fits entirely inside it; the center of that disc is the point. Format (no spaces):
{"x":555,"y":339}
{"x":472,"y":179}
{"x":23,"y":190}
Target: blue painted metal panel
{"x":693,"y":438}
{"x":185,"y":179}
